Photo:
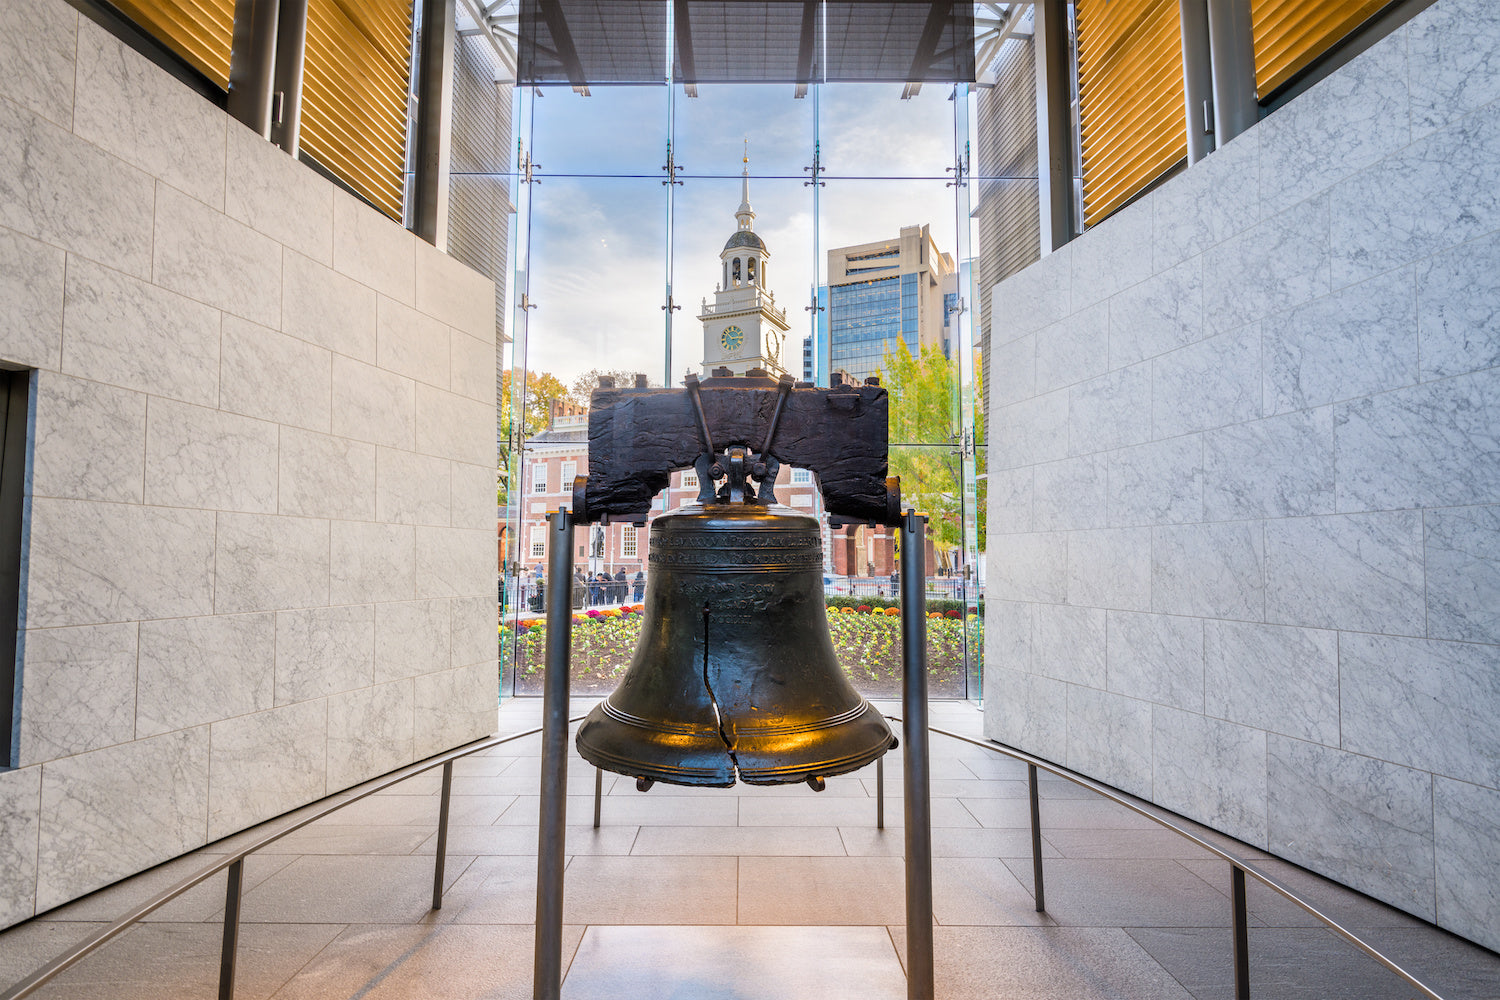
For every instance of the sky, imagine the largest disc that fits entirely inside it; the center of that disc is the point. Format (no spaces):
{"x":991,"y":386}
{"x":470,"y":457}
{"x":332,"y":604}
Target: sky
{"x":597,"y":243}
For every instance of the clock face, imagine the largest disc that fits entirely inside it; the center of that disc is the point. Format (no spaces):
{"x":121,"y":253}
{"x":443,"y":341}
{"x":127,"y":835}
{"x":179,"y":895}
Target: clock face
{"x":733,"y":338}
{"x":773,"y":343}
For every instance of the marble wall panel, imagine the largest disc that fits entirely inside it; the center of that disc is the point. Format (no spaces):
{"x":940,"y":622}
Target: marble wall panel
{"x":1029,"y":567}
{"x":1365,"y":822}
{"x":1458,"y":302}
{"x":1107,"y":259}
{"x":373,"y":405}
{"x":265,"y":563}
{"x":1067,"y":644}
{"x":123,"y":103}
{"x":1280,"y":262}
{"x":473,"y":620}
{"x":324,"y":476}
{"x":89,"y":440}
{"x":266,"y":764}
{"x":1109,"y":738}
{"x":1278,"y":467}
{"x":1160,"y":482}
{"x":455,"y":562}
{"x":1422,"y":703}
{"x":324,"y":307}
{"x":1282,"y":680}
{"x":1032,"y":297}
{"x":372,"y":249}
{"x":1463,"y":573}
{"x":1110,"y":569}
{"x":412,"y":637}
{"x":413,"y":344}
{"x":1009,"y":499}
{"x":370,"y":732}
{"x":1454,"y":48}
{"x":1156,"y":658}
{"x":120,"y":810}
{"x":74,"y":195}
{"x":274,"y":194}
{"x":194,"y":671}
{"x":473,"y":367}
{"x":473,"y":495}
{"x":31,"y":299}
{"x":453,"y":707}
{"x":371,"y":562}
{"x":1072,"y":349}
{"x":1033,"y":430}
{"x":208,"y":256}
{"x":1111,"y":411}
{"x":412,"y":488}
{"x":1211,"y":770}
{"x":20,"y":811}
{"x":1202,"y":207}
{"x":1430,"y":445}
{"x":38,"y":47}
{"x":201,"y":457}
{"x":1012,"y":371}
{"x":1007,"y":634}
{"x":1027,"y":711}
{"x":78,"y":690}
{"x":1351,"y":571}
{"x":1069,"y":494}
{"x":1359,"y":340}
{"x":1208,"y":384}
{"x":106,"y":562}
{"x":1209,"y":570}
{"x":1466,"y":823}
{"x":456,"y":294}
{"x":1160,"y":314}
{"x":323,"y":651}
{"x":271,"y":376}
{"x":118,"y":330}
{"x":454,"y":426}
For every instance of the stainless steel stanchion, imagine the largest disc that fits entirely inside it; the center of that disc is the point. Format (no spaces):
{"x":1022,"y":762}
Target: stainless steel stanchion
{"x":919,"y":982}
{"x":1036,"y":840}
{"x":441,"y":861}
{"x":552,"y":822}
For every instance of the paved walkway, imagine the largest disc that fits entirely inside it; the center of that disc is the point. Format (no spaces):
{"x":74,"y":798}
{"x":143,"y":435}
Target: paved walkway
{"x":739,"y":894}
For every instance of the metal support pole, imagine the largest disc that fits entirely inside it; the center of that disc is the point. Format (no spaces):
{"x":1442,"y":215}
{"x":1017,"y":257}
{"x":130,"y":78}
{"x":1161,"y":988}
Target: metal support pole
{"x":286,"y":100}
{"x":1036,"y":841}
{"x":552,"y":821}
{"x":1054,"y":123}
{"x":598,"y":793}
{"x":442,"y":842}
{"x":880,"y":792}
{"x":227,"y":955}
{"x":1232,"y":43}
{"x":434,"y":122}
{"x":1241,"y":935}
{"x":252,"y":63}
{"x":1197,"y":80}
{"x":918,"y":797}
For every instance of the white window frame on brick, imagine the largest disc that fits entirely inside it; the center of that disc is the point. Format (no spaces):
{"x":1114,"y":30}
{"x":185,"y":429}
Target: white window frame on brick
{"x":690,"y":479}
{"x":538,"y":541}
{"x":569,"y":471}
{"x":630,"y":542}
{"x":539,"y":477}
{"x":801,"y":477}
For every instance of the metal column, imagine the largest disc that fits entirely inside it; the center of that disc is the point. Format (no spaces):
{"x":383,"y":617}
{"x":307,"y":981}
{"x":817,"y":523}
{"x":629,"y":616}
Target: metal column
{"x":252,"y":63}
{"x":1054,"y":123}
{"x":1197,"y":80}
{"x":1229,"y":36}
{"x":918,"y":799}
{"x":286,"y":102}
{"x":552,"y":822}
{"x":434,"y":122}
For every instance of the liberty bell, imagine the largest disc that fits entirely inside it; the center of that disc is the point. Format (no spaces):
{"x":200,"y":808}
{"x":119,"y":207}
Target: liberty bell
{"x":735,"y":676}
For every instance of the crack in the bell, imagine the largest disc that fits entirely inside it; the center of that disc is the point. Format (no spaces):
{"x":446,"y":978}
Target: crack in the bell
{"x":734,"y":761}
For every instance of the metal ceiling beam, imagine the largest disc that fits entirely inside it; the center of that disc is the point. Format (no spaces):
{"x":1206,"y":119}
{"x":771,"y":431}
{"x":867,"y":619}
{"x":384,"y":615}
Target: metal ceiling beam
{"x":932,"y":33}
{"x":562,"y":43}
{"x":807,"y":46}
{"x":682,"y":30}
{"x":504,"y":51}
{"x":991,"y":47}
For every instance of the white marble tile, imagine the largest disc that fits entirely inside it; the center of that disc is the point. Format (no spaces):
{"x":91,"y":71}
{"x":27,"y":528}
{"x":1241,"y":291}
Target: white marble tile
{"x":1112,"y":255}
{"x":1069,"y":494}
{"x":1030,"y":567}
{"x":1430,"y":445}
{"x":1422,"y":703}
{"x":1463,"y":573}
{"x":77,"y":690}
{"x":266,"y":764}
{"x":370,"y":404}
{"x":63,"y":191}
{"x":1007,"y":631}
{"x":1012,"y":375}
{"x":274,"y":194}
{"x":1278,"y":467}
{"x":127,"y":105}
{"x":1466,"y":823}
{"x":371,"y":562}
{"x":412,"y":637}
{"x":324,"y":476}
{"x":326,"y":308}
{"x":1458,"y":309}
{"x":1027,"y":712}
{"x":1156,"y":658}
{"x":454,"y":293}
{"x":271,"y":376}
{"x":106,"y":562}
{"x":1211,"y":771}
{"x":1283,"y":680}
{"x":1422,"y":199}
{"x":472,"y":371}
{"x":264,"y":563}
{"x":1109,"y":738}
{"x":1349,"y":571}
{"x":412,"y":488}
{"x":455,"y":562}
{"x":206,"y":458}
{"x":90,"y":440}
{"x":1206,"y":204}
{"x":1158,"y":483}
{"x":1363,"y":822}
{"x":454,"y":426}
{"x":1110,"y":568}
{"x":372,"y":249}
{"x":120,"y":810}
{"x":1009,"y":497}
{"x":199,"y":670}
{"x":1344,"y":123}
{"x":38,"y":47}
{"x":455,"y":706}
{"x":369,"y":732}
{"x":412,"y":343}
{"x":473,"y":495}
{"x":1067,"y":644}
{"x":138,"y":336}
{"x":31,"y":300}
{"x":20,"y":814}
{"x":1208,"y":384}
{"x":474,"y":637}
{"x":1359,"y":340}
{"x":1111,"y":411}
{"x":1209,"y":570}
{"x":1033,"y":430}
{"x":1454,"y":49}
{"x":322,"y":651}
{"x":1032,"y":297}
{"x":1073,"y":349}
{"x":205,"y":255}
{"x":1276,"y":264}
{"x":1158,"y":315}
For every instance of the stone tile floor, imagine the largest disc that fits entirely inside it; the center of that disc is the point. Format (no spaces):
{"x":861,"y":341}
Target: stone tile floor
{"x":739,"y":894}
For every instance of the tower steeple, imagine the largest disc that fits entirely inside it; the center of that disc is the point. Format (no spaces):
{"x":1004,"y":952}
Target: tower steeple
{"x":745,"y":214}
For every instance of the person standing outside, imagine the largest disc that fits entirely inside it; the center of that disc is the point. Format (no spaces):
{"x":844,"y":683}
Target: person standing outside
{"x":640,"y":585}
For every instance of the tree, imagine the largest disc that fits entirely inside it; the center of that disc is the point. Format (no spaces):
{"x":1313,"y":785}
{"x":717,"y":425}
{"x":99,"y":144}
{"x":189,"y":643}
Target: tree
{"x":585,"y":384}
{"x":541,"y":389}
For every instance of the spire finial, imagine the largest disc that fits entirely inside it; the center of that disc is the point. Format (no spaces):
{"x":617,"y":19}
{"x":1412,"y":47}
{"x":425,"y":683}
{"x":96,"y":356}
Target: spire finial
{"x":745,"y":214}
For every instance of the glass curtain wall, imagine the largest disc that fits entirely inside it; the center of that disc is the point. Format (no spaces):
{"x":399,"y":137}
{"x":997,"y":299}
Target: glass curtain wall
{"x":625,"y":197}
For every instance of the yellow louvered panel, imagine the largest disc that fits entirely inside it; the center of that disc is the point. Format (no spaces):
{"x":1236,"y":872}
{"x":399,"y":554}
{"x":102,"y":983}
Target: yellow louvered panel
{"x":201,"y":31}
{"x":1130,"y":98}
{"x":1289,"y":34}
{"x":355,"y":82}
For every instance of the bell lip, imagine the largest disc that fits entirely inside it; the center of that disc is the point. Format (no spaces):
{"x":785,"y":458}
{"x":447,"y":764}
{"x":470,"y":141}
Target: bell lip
{"x":731,"y":509}
{"x":759,"y":733}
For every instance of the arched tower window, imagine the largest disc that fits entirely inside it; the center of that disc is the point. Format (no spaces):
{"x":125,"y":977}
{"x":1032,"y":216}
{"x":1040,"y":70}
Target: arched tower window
{"x":736,"y":271}
{"x":726,"y":275}
{"x":750,"y":270}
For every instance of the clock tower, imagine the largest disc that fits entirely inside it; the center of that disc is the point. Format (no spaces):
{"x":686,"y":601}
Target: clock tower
{"x":743,"y":329}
